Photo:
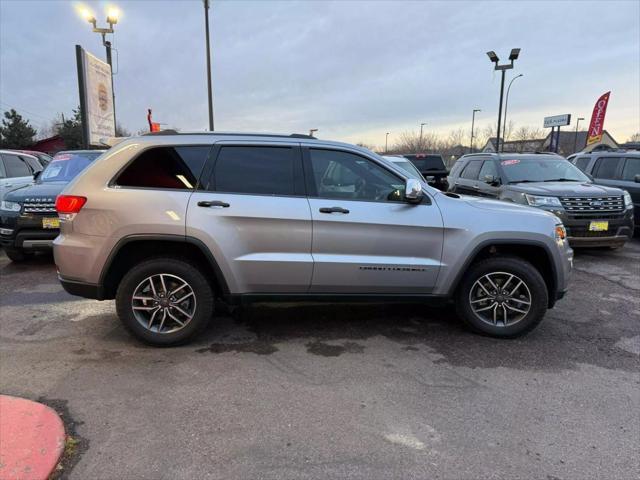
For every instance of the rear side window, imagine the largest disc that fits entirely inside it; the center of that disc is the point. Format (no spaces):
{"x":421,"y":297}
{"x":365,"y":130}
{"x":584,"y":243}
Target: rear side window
{"x":166,"y":167}
{"x":257,"y":170}
{"x":582,"y":163}
{"x":631,"y":169}
{"x":15,"y":166}
{"x":606,"y":167}
{"x":488,"y":168}
{"x":472,"y":170}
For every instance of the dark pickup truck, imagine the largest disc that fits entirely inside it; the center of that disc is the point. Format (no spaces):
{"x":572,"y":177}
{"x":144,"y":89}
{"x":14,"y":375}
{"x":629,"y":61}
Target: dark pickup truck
{"x":432,"y":167}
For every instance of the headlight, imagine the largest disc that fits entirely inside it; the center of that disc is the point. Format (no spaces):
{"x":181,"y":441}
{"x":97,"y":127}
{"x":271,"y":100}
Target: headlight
{"x":9,"y":206}
{"x":538,"y":201}
{"x":627,"y":199}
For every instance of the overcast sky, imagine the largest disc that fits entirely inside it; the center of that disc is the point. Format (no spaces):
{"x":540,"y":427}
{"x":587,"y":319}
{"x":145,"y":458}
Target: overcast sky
{"x":354,"y":70}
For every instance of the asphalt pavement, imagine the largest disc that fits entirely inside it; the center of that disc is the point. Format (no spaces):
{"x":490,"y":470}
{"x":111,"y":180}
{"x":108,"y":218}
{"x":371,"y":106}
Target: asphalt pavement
{"x":319,"y":391}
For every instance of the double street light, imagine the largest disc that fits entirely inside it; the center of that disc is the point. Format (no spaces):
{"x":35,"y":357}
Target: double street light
{"x":513,"y":56}
{"x":112,"y":19}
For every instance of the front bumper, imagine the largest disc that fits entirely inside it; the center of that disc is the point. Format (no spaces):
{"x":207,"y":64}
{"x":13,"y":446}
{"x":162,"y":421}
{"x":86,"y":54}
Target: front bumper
{"x":26,"y":232}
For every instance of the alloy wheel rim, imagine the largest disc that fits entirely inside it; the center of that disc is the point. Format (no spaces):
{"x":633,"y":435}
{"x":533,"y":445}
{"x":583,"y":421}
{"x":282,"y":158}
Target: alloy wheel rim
{"x":163,"y":303}
{"x":500,"y":299}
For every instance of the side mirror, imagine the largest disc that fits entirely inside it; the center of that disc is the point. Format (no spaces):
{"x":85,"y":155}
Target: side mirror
{"x":413,"y":190}
{"x":491,"y":180}
{"x":37,"y":174}
{"x":636,"y":179}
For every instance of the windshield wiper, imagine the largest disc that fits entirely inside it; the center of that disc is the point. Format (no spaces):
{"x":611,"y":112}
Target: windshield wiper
{"x":524,"y":181}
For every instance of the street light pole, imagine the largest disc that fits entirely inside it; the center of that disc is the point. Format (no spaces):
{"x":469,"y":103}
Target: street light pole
{"x":112,"y":19}
{"x":575,"y":141}
{"x":312,"y":131}
{"x":421,"y":125}
{"x":502,"y":68}
{"x":506,"y":105}
{"x":473,"y":121}
{"x":209,"y":90}
{"x":386,"y":143}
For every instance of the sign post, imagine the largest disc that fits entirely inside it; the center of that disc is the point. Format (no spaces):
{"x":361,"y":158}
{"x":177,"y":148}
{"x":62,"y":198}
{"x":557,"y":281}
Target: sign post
{"x":555,"y":122}
{"x":96,"y":98}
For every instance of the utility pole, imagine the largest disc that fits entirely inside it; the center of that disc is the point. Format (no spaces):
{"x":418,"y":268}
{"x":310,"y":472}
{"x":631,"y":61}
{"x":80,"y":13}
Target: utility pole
{"x":473,"y":121}
{"x":209,"y":89}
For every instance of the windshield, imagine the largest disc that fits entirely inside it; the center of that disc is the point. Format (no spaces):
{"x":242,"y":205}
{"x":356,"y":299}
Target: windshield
{"x":410,"y":168}
{"x":540,"y":169}
{"x":66,"y":165}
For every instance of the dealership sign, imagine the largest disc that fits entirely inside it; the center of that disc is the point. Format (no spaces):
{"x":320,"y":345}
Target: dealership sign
{"x":557,"y":121}
{"x":597,"y":119}
{"x":96,"y":97}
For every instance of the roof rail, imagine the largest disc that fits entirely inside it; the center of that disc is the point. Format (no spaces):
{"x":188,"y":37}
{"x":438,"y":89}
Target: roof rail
{"x":161,"y":132}
{"x":231,"y":134}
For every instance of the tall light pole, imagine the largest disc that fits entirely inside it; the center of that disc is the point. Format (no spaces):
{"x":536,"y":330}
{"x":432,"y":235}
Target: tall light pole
{"x":112,"y":19}
{"x":386,"y":142}
{"x":575,"y":140}
{"x":312,"y":131}
{"x":473,"y":121}
{"x":421,"y":125}
{"x":209,"y":90}
{"x":506,"y":105}
{"x":502,"y":68}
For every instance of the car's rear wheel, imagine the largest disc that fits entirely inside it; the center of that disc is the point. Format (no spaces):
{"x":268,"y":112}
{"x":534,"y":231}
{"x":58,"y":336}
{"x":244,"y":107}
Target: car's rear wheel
{"x":502,"y":297}
{"x":165,"y":301}
{"x":18,"y":254}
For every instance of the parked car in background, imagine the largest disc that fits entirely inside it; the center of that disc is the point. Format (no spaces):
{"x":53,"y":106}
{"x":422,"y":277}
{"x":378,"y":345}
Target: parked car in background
{"x":594,"y":215}
{"x":28,"y":218}
{"x":16,"y":170}
{"x":165,"y":224}
{"x":406,"y":165}
{"x":43,"y":157}
{"x":616,"y":169}
{"x":432,"y":168}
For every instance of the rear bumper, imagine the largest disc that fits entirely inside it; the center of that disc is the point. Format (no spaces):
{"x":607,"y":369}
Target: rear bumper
{"x":81,"y":289}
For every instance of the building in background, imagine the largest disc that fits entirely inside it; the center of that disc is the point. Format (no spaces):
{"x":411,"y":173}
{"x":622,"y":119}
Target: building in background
{"x":565,"y":146}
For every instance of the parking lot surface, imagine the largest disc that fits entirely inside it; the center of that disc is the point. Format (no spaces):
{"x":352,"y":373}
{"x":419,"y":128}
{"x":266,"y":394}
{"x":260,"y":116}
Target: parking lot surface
{"x":319,"y":391}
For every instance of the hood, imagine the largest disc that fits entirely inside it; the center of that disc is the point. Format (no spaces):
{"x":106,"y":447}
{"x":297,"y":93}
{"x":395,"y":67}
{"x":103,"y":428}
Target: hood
{"x":506,"y":207}
{"x":574,"y":189}
{"x":46,"y":192}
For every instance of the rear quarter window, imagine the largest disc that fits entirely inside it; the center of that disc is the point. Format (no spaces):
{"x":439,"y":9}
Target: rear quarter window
{"x":168,"y":168}
{"x":606,"y":167}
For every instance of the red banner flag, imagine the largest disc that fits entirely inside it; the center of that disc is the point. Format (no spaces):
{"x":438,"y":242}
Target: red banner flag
{"x":597,"y":119}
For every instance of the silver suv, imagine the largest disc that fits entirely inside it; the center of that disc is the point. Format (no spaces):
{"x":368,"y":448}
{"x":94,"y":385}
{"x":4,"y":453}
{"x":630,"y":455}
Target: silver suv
{"x":168,"y":223}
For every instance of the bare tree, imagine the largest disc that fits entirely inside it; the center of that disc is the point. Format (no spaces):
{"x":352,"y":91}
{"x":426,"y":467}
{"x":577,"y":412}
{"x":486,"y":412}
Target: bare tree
{"x":635,"y":137}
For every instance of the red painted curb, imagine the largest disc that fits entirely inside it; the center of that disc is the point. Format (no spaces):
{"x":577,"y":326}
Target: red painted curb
{"x":32,"y":439}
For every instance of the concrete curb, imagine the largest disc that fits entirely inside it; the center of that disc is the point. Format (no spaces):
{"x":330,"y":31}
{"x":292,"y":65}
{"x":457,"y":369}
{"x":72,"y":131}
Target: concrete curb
{"x":32,"y":439}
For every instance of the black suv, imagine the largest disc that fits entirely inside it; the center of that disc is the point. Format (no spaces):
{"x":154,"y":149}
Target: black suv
{"x":28,"y":217}
{"x":614,"y":169}
{"x":432,"y":168}
{"x":594,"y":215}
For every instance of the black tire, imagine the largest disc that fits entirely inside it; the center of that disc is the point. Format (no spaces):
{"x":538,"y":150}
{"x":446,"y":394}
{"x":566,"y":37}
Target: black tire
{"x":511,"y":265}
{"x":18,"y":255}
{"x":202,"y":291}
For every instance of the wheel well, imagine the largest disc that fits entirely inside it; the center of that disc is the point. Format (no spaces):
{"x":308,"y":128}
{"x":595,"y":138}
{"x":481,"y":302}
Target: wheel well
{"x":535,"y":255}
{"x":136,"y":251}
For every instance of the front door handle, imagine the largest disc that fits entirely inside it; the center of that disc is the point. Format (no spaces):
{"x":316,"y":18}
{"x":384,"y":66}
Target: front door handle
{"x":213,"y":203}
{"x":333,"y":210}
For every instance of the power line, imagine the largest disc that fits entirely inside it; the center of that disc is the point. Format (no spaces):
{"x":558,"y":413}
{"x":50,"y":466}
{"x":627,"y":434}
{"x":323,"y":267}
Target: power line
{"x":25,"y":111}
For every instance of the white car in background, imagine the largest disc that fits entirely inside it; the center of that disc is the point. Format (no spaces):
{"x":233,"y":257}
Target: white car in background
{"x":406,"y":165}
{"x":16,"y":170}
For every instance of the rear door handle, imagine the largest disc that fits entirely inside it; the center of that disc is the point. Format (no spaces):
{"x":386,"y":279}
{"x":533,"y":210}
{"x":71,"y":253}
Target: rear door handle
{"x":333,"y":210}
{"x":213,"y":203}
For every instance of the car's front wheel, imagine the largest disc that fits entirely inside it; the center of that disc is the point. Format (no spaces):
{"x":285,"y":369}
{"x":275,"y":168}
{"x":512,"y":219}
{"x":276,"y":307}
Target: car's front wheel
{"x":165,"y":301}
{"x":502,"y":297}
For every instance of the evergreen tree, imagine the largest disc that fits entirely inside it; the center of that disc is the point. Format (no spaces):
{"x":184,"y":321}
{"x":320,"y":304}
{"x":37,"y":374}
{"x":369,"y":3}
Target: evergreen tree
{"x":16,"y":132}
{"x":71,"y":131}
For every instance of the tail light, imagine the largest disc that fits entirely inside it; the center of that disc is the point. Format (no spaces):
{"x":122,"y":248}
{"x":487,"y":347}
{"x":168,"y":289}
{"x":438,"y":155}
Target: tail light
{"x":66,"y":204}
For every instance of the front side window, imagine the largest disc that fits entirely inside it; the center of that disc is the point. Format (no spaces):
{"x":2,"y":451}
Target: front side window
{"x":488,"y":168}
{"x":607,"y":167}
{"x":15,"y":166}
{"x":582,"y":163}
{"x":172,"y":168}
{"x":631,"y":169}
{"x":258,"y":170}
{"x":472,"y":170}
{"x":344,"y":175}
